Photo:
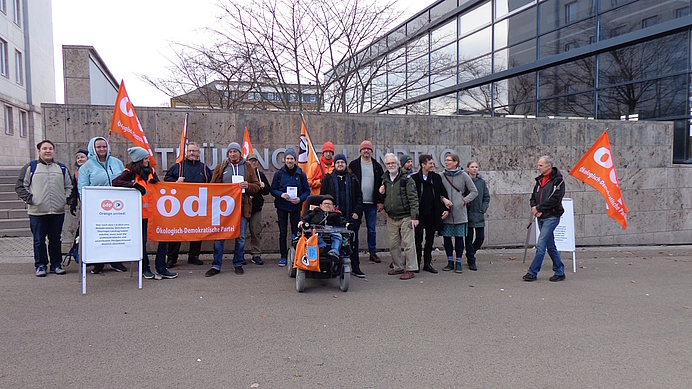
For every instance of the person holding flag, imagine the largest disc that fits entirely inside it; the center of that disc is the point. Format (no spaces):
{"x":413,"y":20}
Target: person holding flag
{"x":191,"y":169}
{"x":546,"y":206}
{"x":319,"y":170}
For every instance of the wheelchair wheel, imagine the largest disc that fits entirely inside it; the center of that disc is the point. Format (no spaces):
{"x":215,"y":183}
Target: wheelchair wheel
{"x":344,"y":280}
{"x":289,"y":262}
{"x":300,"y":280}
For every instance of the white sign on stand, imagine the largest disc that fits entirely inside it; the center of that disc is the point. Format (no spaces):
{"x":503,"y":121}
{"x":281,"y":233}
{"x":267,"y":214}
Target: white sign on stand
{"x":111,"y":227}
{"x":564,"y":232}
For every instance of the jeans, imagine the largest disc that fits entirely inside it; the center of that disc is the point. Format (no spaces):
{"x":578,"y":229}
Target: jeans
{"x":546,"y":240}
{"x":160,"y":261}
{"x":336,"y":242}
{"x":282,"y":217}
{"x":50,"y":226}
{"x":370,"y":211}
{"x":474,"y":244}
{"x":238,"y":250}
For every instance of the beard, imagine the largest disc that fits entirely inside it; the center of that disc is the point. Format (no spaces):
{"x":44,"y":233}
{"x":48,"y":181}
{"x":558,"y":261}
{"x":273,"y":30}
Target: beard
{"x":393,"y":170}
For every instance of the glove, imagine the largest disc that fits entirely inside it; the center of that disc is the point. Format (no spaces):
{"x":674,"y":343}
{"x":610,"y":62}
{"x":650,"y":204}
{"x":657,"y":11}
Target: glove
{"x":140,"y":188}
{"x":73,"y":209}
{"x":153,"y":180}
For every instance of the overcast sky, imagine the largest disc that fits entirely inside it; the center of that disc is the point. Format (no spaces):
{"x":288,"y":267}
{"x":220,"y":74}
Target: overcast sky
{"x":134,"y":36}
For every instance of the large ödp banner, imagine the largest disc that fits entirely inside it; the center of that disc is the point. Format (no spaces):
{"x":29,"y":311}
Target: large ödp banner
{"x":182,"y":212}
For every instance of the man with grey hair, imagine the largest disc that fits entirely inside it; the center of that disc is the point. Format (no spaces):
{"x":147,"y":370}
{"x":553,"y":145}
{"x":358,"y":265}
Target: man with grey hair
{"x":401,"y":206}
{"x":546,"y":206}
{"x":233,"y":169}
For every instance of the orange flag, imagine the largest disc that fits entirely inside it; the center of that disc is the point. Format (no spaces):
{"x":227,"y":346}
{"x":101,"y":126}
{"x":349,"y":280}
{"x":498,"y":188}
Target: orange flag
{"x":597,"y":169}
{"x":126,"y":123}
{"x":183,"y":142}
{"x":307,"y":157}
{"x":247,"y":145}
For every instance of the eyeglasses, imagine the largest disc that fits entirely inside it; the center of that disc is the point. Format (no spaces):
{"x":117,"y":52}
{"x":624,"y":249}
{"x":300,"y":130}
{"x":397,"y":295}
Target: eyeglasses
{"x":329,"y":204}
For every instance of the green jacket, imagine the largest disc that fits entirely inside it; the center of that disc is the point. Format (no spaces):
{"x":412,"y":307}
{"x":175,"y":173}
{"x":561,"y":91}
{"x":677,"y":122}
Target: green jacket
{"x":479,"y":206}
{"x":400,"y":198}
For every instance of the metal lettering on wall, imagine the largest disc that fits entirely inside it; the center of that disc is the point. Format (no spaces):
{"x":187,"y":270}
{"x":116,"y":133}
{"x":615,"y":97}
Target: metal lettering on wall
{"x":212,"y":155}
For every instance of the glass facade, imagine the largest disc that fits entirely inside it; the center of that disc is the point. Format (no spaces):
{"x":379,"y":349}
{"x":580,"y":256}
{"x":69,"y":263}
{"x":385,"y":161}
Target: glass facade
{"x":599,"y":59}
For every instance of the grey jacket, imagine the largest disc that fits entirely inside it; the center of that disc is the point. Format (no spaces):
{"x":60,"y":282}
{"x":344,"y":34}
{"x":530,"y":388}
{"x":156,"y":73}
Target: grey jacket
{"x":47,"y":192}
{"x":462,"y":182}
{"x":479,"y":206}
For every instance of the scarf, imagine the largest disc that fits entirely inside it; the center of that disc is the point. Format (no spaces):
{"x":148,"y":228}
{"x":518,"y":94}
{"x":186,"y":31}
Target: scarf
{"x":454,"y":172}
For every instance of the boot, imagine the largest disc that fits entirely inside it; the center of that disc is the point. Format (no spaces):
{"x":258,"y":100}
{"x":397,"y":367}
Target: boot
{"x":472,"y":265}
{"x":457,"y":268}
{"x":450,"y":266}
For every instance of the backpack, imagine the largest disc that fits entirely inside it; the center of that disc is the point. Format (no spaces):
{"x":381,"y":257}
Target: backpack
{"x":33,"y":164}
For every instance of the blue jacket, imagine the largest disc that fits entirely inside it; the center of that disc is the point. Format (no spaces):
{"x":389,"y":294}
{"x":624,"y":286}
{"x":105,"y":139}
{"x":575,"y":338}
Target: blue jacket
{"x":92,"y":173}
{"x":281,"y":180}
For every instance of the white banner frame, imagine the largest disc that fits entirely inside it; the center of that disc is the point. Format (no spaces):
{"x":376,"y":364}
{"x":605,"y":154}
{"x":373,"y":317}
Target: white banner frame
{"x":564,"y":232}
{"x":110,"y":227}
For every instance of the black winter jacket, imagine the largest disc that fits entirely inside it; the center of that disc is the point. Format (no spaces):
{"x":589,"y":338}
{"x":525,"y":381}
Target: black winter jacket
{"x":548,"y":199}
{"x":433,"y":183}
{"x":328,"y":188}
{"x":193,"y":171}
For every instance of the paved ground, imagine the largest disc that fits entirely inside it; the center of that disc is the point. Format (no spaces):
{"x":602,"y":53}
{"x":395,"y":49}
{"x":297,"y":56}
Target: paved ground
{"x":623,"y":321}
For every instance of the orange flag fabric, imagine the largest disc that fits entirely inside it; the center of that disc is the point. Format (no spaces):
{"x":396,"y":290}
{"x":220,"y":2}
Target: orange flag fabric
{"x":126,"y":123}
{"x":597,"y":169}
{"x":307,"y":158}
{"x":182,"y":212}
{"x":247,"y":145}
{"x":183,"y":143}
{"x":307,"y":253}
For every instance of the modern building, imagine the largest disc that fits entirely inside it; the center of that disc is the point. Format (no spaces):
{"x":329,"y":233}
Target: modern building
{"x":594,"y":59}
{"x":27,"y":76}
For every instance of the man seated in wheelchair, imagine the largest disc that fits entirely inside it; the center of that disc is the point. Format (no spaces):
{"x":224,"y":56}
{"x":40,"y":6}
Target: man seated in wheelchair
{"x":325,"y":215}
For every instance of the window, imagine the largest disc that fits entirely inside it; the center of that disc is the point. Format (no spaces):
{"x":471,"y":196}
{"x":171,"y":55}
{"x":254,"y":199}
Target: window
{"x":17,"y":12}
{"x":23,"y":124}
{"x":679,"y":13}
{"x":570,"y":12}
{"x":571,"y":46}
{"x":617,"y":31}
{"x":18,"y":68}
{"x":648,"y":22}
{"x":4,"y":65}
{"x":3,"y":6}
{"x":9,"y":124}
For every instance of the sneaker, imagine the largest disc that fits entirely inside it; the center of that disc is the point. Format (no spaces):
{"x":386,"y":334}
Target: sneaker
{"x":358,"y":273}
{"x":212,"y":272}
{"x":98,"y":268}
{"x":374,"y":258}
{"x":167,"y":274}
{"x":60,"y":271}
{"x":528,"y":277}
{"x":195,"y":261}
{"x":282,"y":262}
{"x":119,"y":267}
{"x":557,"y":278}
{"x":257,"y":260}
{"x":146,"y":274}
{"x":239,"y":270}
{"x":41,"y":271}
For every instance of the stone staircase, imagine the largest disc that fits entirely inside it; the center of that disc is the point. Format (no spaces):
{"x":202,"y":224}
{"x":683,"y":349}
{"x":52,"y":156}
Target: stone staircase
{"x":14,"y":221}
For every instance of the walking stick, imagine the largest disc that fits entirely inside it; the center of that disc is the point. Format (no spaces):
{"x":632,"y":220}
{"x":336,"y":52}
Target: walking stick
{"x":528,"y":236}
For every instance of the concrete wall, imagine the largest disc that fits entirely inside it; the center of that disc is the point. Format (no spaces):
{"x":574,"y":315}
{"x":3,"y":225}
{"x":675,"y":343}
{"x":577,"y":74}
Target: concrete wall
{"x":657,"y":193}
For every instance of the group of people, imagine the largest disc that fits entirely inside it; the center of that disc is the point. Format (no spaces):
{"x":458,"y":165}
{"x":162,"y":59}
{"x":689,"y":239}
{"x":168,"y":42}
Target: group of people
{"x":418,"y":204}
